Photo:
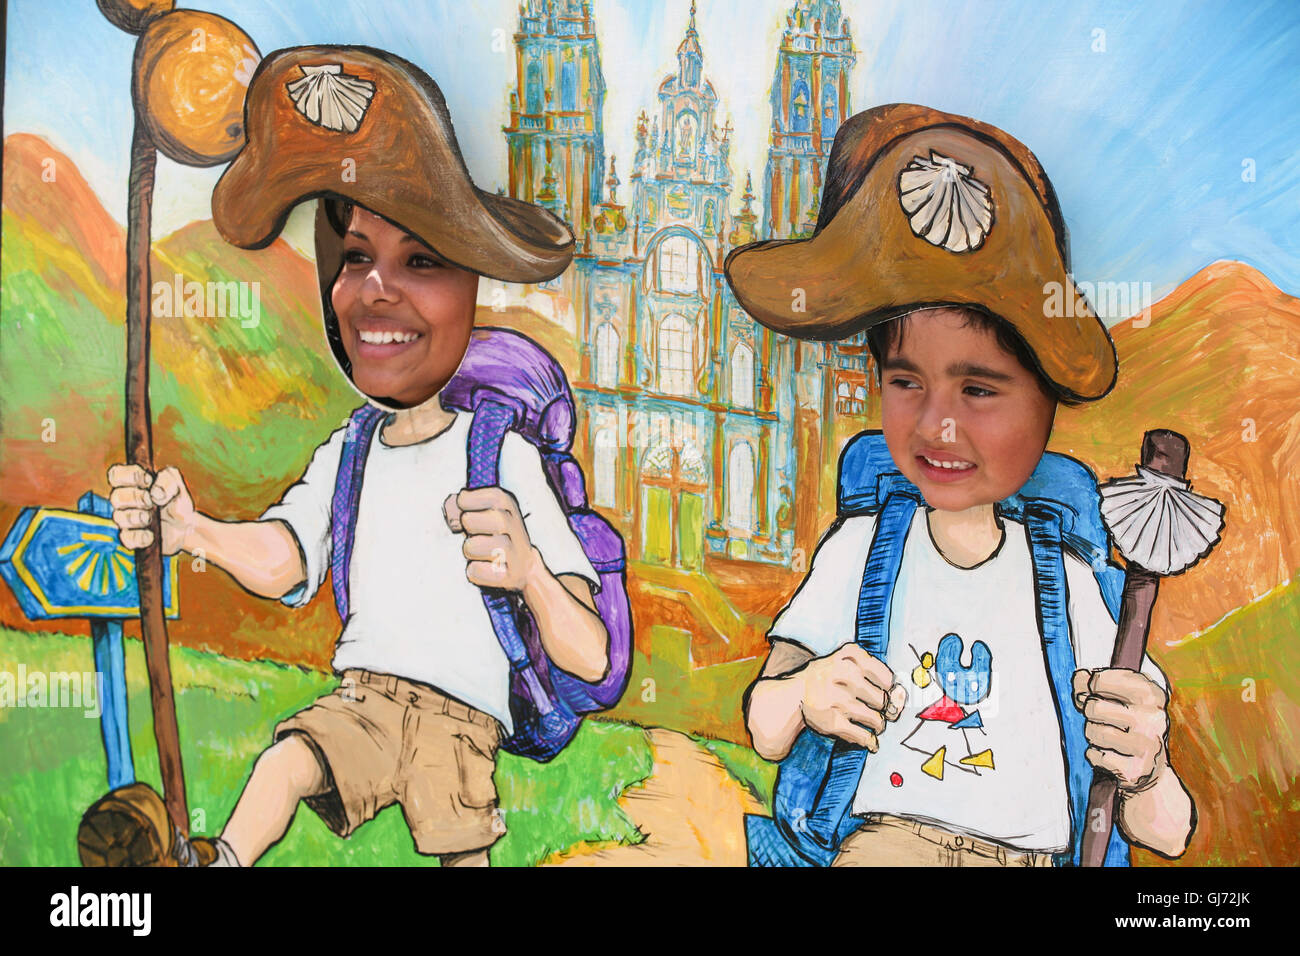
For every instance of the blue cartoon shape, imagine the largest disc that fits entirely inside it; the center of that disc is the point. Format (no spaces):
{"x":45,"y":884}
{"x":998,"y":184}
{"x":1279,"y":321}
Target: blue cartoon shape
{"x":972,"y":721}
{"x":965,"y":685}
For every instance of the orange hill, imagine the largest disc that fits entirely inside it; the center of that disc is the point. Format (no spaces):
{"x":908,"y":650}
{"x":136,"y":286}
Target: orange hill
{"x":43,"y":187}
{"x":1218,"y":364}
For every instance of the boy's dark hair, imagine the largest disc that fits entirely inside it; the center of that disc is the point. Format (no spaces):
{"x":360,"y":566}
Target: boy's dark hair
{"x":884,"y":336}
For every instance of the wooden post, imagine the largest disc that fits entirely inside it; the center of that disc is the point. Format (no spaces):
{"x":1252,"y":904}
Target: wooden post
{"x":110,"y":665}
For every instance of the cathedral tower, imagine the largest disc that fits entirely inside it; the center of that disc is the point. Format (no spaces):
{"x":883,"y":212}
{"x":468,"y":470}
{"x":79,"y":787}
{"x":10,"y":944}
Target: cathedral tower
{"x":810,"y":99}
{"x":555,"y":139}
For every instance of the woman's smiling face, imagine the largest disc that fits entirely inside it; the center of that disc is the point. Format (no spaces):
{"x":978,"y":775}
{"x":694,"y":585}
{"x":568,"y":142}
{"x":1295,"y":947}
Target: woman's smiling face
{"x":964,"y":421}
{"x":405,"y":315}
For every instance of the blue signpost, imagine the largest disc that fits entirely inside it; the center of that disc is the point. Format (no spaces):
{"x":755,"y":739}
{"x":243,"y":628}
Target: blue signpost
{"x":70,"y":564}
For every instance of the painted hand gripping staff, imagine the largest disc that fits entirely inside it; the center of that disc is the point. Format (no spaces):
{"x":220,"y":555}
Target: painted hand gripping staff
{"x":513,"y":622}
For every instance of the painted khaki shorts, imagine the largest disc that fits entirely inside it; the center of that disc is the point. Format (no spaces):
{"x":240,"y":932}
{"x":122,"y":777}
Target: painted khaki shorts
{"x":386,"y":740}
{"x":886,"y":840}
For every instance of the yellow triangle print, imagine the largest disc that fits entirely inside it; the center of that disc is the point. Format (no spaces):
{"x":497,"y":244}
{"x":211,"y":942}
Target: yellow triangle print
{"x":982,"y":759}
{"x":934,"y":766}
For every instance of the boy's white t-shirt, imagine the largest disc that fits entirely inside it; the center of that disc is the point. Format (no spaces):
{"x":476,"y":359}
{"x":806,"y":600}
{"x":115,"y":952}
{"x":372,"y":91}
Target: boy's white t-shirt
{"x":412,"y":611}
{"x":1022,"y":799}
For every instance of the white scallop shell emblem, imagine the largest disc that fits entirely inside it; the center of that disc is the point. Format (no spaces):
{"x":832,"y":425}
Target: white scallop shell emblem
{"x":331,"y":98}
{"x":1157,"y":521}
{"x":945,"y":205}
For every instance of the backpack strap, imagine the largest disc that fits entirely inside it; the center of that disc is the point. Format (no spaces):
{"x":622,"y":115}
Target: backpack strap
{"x":360,"y":433}
{"x":1043,"y":523}
{"x":821,"y":776}
{"x":487,"y":432}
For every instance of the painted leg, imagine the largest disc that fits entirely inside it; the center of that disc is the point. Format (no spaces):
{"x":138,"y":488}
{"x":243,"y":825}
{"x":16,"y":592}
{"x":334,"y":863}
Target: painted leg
{"x":473,"y":858}
{"x":285,"y":773}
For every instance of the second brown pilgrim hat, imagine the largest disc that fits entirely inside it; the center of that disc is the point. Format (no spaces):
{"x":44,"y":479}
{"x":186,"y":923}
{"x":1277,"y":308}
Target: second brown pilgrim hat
{"x":923,"y":208}
{"x":360,"y":124}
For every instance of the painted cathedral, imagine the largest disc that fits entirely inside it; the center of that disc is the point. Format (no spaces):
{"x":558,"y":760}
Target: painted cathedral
{"x":701,"y":432}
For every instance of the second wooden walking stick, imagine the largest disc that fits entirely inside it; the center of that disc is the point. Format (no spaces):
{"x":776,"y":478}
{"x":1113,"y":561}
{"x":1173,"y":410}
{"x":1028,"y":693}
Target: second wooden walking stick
{"x":1161,"y":528}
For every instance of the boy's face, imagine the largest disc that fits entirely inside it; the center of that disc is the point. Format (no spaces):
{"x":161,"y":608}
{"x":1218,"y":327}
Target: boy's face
{"x":405,"y":315}
{"x":964,"y":421}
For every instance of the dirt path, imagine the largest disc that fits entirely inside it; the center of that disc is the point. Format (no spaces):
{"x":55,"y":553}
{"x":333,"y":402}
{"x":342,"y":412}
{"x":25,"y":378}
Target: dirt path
{"x":690,"y":809}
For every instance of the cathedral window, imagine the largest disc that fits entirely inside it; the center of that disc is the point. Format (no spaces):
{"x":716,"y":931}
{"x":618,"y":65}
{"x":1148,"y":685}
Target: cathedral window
{"x":742,"y":376}
{"x":568,"y":83}
{"x":676,"y":356}
{"x":606,"y":467}
{"x":607,"y":348}
{"x":658,"y":461}
{"x":534,"y":86}
{"x":850,"y":399}
{"x":830,"y":109}
{"x":740,"y":487}
{"x":691,"y":464}
{"x":678,"y":265}
{"x":799,"y":119}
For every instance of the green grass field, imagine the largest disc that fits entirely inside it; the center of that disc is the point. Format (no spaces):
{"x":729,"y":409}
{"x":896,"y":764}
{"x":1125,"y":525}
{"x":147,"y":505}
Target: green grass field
{"x":1236,"y":733}
{"x":1234,"y":716}
{"x":52,"y":765}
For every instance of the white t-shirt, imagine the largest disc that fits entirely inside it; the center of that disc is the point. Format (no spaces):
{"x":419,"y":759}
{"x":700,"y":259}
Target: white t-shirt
{"x":1013,"y":786}
{"x":412,"y":611}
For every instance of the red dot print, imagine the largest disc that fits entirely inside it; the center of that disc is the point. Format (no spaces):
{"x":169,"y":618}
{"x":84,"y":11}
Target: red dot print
{"x":896,"y":779}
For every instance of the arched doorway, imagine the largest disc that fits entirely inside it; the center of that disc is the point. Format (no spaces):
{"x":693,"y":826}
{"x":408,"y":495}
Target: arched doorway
{"x":674,"y":481}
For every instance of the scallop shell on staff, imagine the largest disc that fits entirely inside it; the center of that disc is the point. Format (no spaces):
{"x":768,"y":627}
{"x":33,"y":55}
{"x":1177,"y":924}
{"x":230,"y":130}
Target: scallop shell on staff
{"x":1158,"y":522}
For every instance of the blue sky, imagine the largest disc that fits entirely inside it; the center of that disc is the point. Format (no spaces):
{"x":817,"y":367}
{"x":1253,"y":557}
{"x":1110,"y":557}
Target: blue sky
{"x":1144,"y":140}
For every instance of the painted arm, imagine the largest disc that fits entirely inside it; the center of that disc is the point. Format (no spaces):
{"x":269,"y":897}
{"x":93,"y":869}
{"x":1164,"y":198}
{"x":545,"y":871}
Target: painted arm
{"x":499,"y":554}
{"x":262,"y":556}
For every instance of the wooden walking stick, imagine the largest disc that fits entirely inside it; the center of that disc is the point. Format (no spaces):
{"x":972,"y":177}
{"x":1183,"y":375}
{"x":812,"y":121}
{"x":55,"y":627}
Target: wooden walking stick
{"x":139,"y":451}
{"x":1160,"y":528}
{"x":188,"y":80}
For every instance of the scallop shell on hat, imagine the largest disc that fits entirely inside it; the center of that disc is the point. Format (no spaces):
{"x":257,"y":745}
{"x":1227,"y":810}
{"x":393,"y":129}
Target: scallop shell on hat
{"x":1158,"y":522}
{"x":945,"y":204}
{"x":331,"y":98}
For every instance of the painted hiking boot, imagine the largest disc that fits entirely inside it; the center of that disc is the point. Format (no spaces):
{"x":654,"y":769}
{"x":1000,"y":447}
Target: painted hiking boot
{"x":130,"y":827}
{"x":126,"y":827}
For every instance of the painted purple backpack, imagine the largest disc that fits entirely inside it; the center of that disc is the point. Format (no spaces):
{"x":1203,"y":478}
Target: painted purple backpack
{"x":510,"y":382}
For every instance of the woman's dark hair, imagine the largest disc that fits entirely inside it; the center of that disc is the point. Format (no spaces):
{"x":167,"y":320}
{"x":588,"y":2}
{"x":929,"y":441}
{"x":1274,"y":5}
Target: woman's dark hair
{"x":339,"y":214}
{"x":885,"y":336}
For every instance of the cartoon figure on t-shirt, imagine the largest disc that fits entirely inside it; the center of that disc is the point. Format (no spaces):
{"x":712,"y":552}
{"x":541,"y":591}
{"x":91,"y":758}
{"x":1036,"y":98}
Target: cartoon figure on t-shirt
{"x":958,"y":685}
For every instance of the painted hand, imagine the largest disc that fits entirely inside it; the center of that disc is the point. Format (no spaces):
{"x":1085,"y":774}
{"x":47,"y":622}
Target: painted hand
{"x":134,"y":493}
{"x":496,"y":548}
{"x":850,"y":694}
{"x":1126,"y":724}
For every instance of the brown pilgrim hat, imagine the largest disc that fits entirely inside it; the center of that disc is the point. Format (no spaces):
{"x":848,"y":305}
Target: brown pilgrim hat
{"x":922,"y":208}
{"x":363,"y":125}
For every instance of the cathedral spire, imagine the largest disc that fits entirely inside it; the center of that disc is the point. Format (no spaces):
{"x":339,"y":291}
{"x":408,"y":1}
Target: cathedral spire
{"x":690,"y":57}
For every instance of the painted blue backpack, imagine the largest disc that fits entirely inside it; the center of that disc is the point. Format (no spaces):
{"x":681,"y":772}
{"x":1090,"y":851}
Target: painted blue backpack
{"x":1060,"y":508}
{"x":511,"y":383}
